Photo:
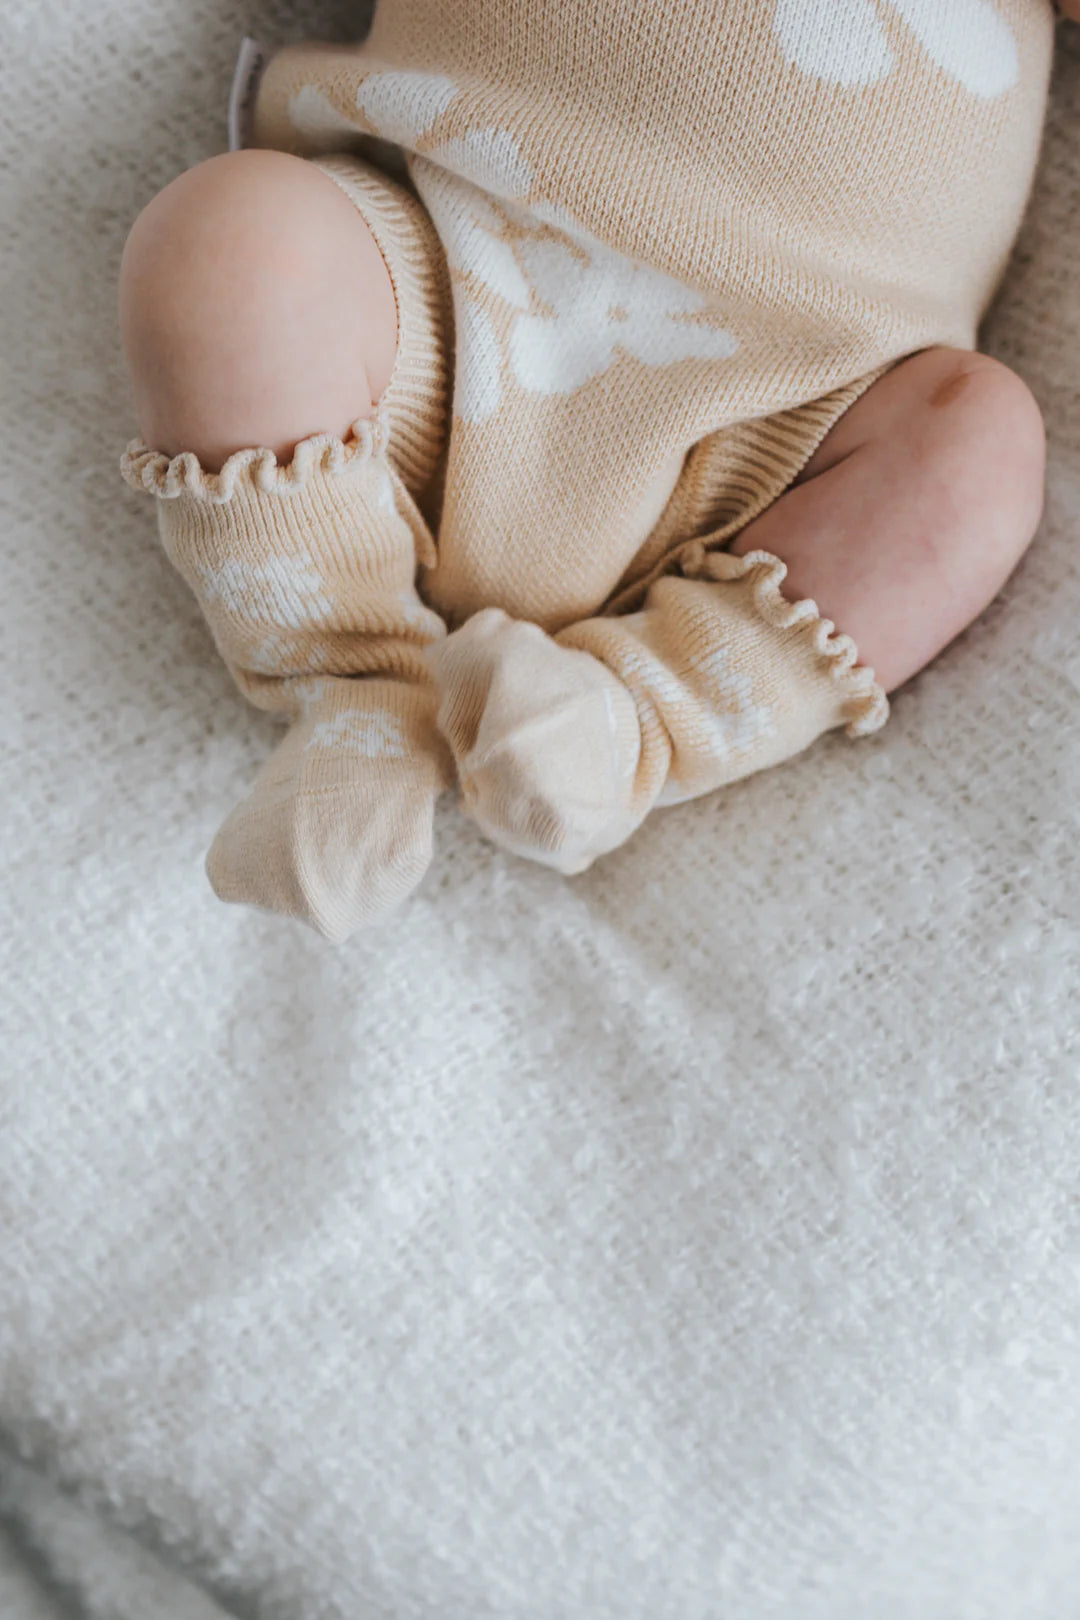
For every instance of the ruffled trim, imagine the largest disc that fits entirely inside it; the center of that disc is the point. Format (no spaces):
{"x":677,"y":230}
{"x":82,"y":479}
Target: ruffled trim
{"x":867,"y":703}
{"x":167,"y":477}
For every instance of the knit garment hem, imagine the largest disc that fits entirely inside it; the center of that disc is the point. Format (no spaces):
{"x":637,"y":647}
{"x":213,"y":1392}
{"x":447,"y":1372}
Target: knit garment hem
{"x":416,"y":400}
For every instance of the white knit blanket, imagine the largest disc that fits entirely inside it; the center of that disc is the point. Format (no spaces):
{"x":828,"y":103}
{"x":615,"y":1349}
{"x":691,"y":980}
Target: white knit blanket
{"x":695,"y":1238}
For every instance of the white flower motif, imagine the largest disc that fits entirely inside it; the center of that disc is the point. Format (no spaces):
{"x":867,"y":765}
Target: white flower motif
{"x":404,"y":106}
{"x":599,"y":302}
{"x":490,"y":158}
{"x":307,"y":693}
{"x":737,"y":718}
{"x":374,"y":736}
{"x":844,"y":43}
{"x":468,"y":224}
{"x":600,"y":306}
{"x":478,"y":366}
{"x":720,"y":696}
{"x":287,"y":591}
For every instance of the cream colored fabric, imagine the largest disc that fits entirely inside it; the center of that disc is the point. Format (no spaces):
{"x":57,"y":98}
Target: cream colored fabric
{"x":678,"y":253}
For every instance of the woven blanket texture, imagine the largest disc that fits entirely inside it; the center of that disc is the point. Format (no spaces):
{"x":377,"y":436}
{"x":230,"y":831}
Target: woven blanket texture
{"x":693,"y":1238}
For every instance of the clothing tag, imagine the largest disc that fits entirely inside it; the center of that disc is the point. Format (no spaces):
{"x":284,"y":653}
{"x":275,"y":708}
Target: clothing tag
{"x":249,"y":70}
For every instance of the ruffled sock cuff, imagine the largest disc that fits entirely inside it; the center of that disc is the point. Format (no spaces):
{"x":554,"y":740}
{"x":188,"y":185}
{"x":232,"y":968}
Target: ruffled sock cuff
{"x":863,"y":704}
{"x":323,"y":454}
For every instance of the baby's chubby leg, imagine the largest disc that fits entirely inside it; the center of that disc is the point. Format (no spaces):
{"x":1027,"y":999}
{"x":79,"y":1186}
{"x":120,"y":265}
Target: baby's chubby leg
{"x":255,"y":308}
{"x":261,"y":328}
{"x":902,"y":527}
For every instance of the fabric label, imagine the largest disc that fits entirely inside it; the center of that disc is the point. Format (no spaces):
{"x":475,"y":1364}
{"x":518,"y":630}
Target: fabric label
{"x":249,"y":70}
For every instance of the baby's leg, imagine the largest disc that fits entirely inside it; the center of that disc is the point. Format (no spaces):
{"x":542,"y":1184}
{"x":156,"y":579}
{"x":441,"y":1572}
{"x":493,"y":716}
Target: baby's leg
{"x":258,"y":311}
{"x":902,"y":528}
{"x":915,"y":509}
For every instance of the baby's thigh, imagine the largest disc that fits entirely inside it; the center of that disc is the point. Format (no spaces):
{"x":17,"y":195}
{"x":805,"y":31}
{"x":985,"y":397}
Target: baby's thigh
{"x":949,"y":410}
{"x":256,"y":309}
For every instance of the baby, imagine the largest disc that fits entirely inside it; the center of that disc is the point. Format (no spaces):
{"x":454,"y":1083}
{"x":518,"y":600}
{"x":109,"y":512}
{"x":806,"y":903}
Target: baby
{"x":526,"y":391}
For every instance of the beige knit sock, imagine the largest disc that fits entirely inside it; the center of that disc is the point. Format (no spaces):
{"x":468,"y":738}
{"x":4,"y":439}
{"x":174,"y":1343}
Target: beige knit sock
{"x":564,"y":744}
{"x":306,"y":576}
{"x":337,"y":829}
{"x":546,"y":740}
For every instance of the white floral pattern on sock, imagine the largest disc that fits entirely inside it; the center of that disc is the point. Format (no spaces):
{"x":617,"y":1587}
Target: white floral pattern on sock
{"x":844,"y":42}
{"x":287,"y":591}
{"x":739,"y":719}
{"x":374,"y":736}
{"x":280,"y":655}
{"x":728,"y":719}
{"x":307,"y":693}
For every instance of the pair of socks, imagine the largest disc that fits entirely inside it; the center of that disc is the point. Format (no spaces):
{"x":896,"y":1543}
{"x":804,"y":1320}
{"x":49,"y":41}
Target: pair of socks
{"x":560,"y":739}
{"x":560,"y":744}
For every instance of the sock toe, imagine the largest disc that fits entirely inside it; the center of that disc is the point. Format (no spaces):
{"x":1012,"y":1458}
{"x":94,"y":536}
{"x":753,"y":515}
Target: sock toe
{"x":546,"y":740}
{"x":338,"y":828}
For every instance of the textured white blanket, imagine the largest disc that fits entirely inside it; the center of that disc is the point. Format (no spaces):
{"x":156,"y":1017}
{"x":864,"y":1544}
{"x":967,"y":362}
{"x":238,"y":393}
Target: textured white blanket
{"x":694,"y":1238}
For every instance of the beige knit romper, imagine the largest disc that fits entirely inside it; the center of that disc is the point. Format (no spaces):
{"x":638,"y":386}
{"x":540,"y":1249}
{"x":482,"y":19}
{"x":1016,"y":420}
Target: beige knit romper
{"x":644,"y":258}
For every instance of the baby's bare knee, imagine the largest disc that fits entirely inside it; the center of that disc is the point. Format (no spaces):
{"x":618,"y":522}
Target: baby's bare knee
{"x":255,"y":307}
{"x":207,"y":248}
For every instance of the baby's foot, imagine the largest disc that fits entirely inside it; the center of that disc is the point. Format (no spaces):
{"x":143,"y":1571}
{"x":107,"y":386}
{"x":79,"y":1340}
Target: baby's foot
{"x":546,"y":740}
{"x":338,"y":827}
